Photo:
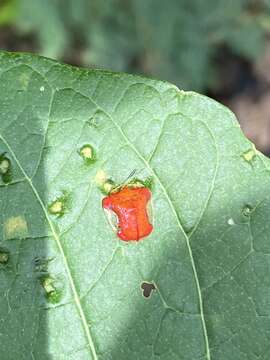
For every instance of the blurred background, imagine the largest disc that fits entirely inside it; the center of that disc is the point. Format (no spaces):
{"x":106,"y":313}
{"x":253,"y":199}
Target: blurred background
{"x":217,"y":47}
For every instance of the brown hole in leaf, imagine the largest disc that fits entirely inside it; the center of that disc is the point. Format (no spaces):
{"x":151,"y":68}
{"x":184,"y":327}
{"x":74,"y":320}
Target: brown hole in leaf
{"x":147,"y":288}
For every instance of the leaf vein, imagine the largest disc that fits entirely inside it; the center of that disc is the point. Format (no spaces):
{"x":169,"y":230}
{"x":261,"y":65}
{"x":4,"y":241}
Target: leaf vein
{"x":61,"y":250}
{"x":132,"y":146}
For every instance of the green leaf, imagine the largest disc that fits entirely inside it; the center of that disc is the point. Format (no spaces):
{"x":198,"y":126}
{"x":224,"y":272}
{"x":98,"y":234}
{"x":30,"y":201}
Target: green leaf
{"x":197,"y":288}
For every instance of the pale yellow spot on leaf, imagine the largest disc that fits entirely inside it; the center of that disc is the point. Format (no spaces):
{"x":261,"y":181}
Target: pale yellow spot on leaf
{"x":15,"y":227}
{"x":250,"y":154}
{"x":4,"y":166}
{"x":87,"y":152}
{"x":24,"y":80}
{"x":100,"y":177}
{"x":108,"y":187}
{"x":56,"y":207}
{"x":48,"y":286}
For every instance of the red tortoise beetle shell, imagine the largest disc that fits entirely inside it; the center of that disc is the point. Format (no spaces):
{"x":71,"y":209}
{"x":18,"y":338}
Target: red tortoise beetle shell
{"x":130,"y":206}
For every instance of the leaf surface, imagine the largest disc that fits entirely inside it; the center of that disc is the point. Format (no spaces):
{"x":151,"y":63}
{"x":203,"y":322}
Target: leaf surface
{"x":70,"y":288}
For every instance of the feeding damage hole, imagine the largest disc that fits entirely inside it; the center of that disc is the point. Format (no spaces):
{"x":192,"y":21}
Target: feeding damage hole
{"x":231,"y":222}
{"x":247,"y":210}
{"x":250,"y":154}
{"x":98,"y":120}
{"x":5,"y":168}
{"x":4,"y":256}
{"x":41,"y":264}
{"x":88,"y":154}
{"x":60,"y":205}
{"x":105,"y":184}
{"x":51,"y":286}
{"x":147,"y":289}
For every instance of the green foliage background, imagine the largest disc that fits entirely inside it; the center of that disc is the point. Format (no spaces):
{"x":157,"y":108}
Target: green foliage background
{"x":176,"y":40}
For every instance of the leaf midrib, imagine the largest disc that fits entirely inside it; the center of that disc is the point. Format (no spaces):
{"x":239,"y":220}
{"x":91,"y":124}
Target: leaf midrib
{"x":61,"y":250}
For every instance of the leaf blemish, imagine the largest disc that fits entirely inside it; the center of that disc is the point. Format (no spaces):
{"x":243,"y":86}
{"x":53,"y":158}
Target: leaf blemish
{"x":41,"y":264}
{"x":15,"y":227}
{"x":108,"y":186}
{"x":5,"y":168}
{"x":52,"y":292}
{"x":247,"y":210}
{"x":88,"y":154}
{"x":147,"y":289}
{"x":97,"y":120}
{"x":60,"y":205}
{"x":4,"y":256}
{"x":250,"y":154}
{"x":100,"y":177}
{"x":105,"y":184}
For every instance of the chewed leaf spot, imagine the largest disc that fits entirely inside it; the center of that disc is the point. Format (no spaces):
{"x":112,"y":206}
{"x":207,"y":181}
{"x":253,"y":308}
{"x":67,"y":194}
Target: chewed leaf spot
{"x":231,"y":222}
{"x":88,"y":154}
{"x":100,"y":178}
{"x":250,"y":154}
{"x":5,"y":169}
{"x":130,"y":206}
{"x":98,"y":119}
{"x":4,"y":256}
{"x":60,"y":205}
{"x":15,"y":227}
{"x":247,"y":210}
{"x":147,"y":289}
{"x":56,"y":207}
{"x":52,"y":290}
{"x":108,"y":186}
{"x":4,"y":166}
{"x":105,"y":184}
{"x":41,"y":264}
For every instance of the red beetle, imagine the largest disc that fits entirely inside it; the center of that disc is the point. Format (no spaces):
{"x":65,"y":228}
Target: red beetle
{"x":130,"y":206}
